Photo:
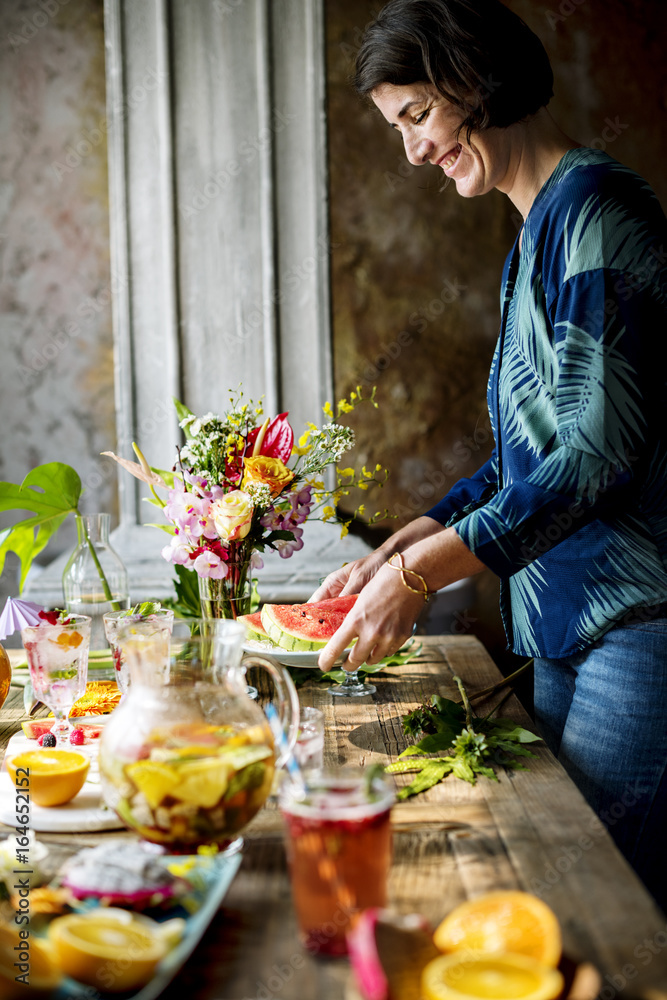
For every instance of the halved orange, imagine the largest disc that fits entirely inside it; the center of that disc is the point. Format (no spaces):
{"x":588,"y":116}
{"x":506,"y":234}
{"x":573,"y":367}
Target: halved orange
{"x":503,"y":921}
{"x":112,"y":949}
{"x":39,"y":972}
{"x":489,"y":977}
{"x":54,"y":776}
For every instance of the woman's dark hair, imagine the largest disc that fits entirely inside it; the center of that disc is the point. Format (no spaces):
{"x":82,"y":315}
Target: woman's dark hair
{"x":477,"y":53}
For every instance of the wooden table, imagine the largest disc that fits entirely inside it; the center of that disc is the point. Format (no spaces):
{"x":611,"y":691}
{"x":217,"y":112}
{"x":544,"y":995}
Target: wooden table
{"x":530,"y":830}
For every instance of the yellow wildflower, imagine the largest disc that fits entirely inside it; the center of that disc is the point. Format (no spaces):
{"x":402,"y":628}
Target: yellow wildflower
{"x":328,"y":513}
{"x":344,"y":406}
{"x":344,"y":528}
{"x":326,"y":410}
{"x":346,"y":472}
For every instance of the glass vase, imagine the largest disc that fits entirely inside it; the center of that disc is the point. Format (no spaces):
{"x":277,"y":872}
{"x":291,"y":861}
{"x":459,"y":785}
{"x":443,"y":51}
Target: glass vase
{"x":230,"y":597}
{"x":95,"y":579}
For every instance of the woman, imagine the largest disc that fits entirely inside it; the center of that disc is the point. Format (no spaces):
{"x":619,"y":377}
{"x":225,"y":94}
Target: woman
{"x":571,"y":509}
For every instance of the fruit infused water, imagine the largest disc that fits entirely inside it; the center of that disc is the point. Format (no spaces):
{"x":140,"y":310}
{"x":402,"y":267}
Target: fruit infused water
{"x":191,"y":785}
{"x":57,"y":653}
{"x":338,"y":851}
{"x":120,"y":626}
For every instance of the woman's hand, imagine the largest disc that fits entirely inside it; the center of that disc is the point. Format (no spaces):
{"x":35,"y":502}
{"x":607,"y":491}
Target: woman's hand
{"x":381,"y":620}
{"x":351,"y":578}
{"x":383,"y":617}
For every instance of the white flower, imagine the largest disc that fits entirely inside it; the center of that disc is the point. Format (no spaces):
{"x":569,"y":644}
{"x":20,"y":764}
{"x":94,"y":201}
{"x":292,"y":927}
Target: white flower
{"x":260,"y":493}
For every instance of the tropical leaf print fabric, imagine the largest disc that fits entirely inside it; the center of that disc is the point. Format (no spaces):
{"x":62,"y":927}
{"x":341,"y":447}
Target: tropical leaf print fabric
{"x":571,"y":509}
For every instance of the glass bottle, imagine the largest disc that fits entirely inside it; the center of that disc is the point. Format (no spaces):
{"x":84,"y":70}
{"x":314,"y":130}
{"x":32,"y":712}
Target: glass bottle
{"x":95,"y":579}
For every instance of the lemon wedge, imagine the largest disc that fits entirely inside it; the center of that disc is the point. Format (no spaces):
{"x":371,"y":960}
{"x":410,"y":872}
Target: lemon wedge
{"x":202,"y":782}
{"x":43,"y":975}
{"x":153,"y":779}
{"x":489,"y":977}
{"x":54,"y":776}
{"x":111,"y":949}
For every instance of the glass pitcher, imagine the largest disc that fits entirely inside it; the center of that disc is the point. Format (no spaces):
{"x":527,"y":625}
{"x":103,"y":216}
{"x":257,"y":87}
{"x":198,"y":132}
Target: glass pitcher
{"x":188,"y":758}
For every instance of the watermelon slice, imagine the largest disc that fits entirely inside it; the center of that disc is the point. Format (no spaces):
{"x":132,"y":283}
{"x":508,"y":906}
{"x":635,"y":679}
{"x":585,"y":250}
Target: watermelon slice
{"x":34,"y":728}
{"x":254,"y":627}
{"x":305,"y":627}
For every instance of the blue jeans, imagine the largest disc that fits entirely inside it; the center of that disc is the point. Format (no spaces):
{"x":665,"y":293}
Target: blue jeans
{"x":603,"y":714}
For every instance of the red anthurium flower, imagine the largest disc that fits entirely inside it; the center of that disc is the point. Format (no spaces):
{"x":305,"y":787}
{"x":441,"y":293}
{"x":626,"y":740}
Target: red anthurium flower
{"x":278,"y":439}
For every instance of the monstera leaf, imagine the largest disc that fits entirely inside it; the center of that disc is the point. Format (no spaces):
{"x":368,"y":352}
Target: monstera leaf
{"x":51,"y":492}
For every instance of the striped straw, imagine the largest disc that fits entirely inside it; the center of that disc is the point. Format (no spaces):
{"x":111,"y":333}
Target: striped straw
{"x":291,"y":764}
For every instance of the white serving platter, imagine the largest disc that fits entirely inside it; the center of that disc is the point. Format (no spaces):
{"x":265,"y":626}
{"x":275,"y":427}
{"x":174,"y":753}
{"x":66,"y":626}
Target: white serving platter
{"x":85,"y":813}
{"x":288,"y":657}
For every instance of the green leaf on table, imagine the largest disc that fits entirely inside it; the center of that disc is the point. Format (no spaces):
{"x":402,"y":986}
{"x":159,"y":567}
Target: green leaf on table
{"x":432,"y":772}
{"x":51,"y":492}
{"x":474,"y":744}
{"x":430,"y":744}
{"x":512,"y":731}
{"x":403,"y":655}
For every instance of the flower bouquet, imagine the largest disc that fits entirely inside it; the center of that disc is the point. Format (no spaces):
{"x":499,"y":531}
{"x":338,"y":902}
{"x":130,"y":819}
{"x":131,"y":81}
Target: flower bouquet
{"x":242,"y":485}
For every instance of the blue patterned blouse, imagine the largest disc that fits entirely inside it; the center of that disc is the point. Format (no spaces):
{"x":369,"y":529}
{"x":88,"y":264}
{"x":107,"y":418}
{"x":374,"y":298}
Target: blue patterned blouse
{"x":571,"y":509}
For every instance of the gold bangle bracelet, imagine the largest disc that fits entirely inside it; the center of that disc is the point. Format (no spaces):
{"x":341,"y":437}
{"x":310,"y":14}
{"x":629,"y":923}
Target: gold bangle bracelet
{"x":403,"y":569}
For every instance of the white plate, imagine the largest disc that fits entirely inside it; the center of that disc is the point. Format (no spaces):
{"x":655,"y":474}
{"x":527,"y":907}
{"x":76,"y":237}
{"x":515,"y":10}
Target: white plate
{"x":288,"y":657}
{"x":83,"y":814}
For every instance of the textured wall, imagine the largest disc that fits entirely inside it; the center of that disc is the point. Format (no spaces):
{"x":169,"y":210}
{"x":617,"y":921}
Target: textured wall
{"x":56,"y":374}
{"x":416,"y":269}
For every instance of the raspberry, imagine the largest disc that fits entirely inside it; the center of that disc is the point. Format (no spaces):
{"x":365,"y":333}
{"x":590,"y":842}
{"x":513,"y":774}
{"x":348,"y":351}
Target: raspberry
{"x":76,"y":737}
{"x":47,"y":740}
{"x":50,"y":616}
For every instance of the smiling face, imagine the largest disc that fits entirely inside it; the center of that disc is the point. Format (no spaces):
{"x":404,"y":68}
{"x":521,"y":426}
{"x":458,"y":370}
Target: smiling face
{"x":428,"y":124}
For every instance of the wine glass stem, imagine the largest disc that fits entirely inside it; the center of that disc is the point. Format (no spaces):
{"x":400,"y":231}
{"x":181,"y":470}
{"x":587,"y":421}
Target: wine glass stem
{"x":61,"y":727}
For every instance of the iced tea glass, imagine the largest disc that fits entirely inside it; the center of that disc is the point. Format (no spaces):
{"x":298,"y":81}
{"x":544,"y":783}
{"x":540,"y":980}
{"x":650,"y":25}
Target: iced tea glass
{"x":58,"y":664}
{"x":338,"y":839}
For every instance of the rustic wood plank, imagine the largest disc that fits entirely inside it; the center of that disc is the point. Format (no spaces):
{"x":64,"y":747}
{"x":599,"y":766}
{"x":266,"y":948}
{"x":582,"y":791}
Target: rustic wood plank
{"x":452,"y":842}
{"x":561,"y":851}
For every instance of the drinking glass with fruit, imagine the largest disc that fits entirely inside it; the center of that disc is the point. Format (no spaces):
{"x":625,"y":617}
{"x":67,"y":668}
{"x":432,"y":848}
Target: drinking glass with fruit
{"x":57,"y":652}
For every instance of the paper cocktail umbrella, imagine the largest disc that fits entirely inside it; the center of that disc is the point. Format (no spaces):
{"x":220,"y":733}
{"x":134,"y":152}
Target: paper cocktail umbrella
{"x":17,"y":614}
